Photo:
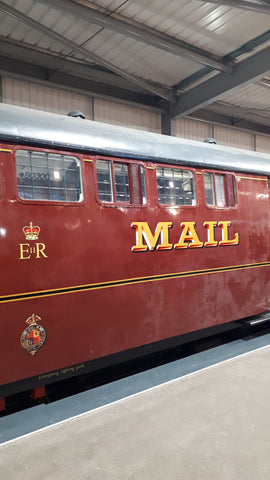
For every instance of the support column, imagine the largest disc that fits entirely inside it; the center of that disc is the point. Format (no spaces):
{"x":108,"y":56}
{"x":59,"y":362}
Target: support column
{"x":168,"y":124}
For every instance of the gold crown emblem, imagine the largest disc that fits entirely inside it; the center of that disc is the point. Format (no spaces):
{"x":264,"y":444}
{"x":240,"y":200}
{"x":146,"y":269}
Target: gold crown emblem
{"x":30,"y":232}
{"x":33,"y":320}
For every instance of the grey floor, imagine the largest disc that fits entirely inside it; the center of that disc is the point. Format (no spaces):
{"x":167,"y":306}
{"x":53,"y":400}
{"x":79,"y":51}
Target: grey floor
{"x":211,"y":424}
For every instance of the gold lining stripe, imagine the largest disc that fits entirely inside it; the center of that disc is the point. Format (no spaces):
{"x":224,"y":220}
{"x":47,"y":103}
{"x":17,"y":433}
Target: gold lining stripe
{"x":5,"y":150}
{"x":198,"y":173}
{"x":89,"y":161}
{"x":252,"y":178}
{"x":150,"y":168}
{"x":129,"y":281}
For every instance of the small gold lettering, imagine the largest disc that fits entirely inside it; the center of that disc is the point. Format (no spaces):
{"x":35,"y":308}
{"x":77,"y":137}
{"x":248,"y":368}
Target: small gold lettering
{"x":40,"y":250}
{"x":24,"y":251}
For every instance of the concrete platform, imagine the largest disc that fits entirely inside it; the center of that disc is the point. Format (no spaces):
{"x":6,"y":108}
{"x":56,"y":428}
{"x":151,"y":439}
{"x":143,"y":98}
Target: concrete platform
{"x":213,"y":424}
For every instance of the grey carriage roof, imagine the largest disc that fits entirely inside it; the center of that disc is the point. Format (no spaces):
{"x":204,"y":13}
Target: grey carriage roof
{"x":33,"y":127}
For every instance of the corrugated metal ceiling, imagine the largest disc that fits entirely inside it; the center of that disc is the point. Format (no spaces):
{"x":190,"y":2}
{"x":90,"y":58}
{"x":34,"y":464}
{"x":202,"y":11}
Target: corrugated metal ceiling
{"x":212,"y":27}
{"x":158,"y":53}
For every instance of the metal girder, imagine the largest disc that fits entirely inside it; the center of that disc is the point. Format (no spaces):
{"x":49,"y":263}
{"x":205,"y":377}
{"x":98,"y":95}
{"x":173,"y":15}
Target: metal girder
{"x":46,"y":76}
{"x":239,"y":113}
{"x":247,"y":47}
{"x":55,"y":61}
{"x":265,"y":82}
{"x":144,"y":34}
{"x":242,"y":4}
{"x":161,"y":92}
{"x":247,"y":71}
{"x":232,"y":121}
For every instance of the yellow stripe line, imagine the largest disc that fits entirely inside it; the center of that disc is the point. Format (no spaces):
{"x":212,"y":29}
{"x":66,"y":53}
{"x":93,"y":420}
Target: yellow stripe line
{"x":124,"y":282}
{"x":5,"y":150}
{"x":86,"y":160}
{"x":252,"y":178}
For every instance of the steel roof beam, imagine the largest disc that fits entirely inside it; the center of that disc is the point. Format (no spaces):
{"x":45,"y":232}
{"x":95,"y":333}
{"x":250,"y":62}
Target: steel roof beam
{"x":54,"y":61}
{"x":143,"y":34}
{"x":73,"y":47}
{"x":61,"y":79}
{"x":247,"y":71}
{"x":234,"y":54}
{"x":232,"y":121}
{"x":239,"y":113}
{"x":242,"y":4}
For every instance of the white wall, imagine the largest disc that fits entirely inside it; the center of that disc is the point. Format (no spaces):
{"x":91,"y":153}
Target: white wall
{"x":193,"y":129}
{"x":200,"y":130}
{"x":125,"y":115}
{"x":34,"y":95}
{"x":263,"y":143}
{"x":233,"y":138}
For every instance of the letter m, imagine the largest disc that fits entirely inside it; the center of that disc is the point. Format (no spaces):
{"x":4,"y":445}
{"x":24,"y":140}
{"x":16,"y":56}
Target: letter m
{"x":146,"y":240}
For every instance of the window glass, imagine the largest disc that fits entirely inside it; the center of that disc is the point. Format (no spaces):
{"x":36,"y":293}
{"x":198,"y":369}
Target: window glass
{"x":175,"y":186}
{"x":121,"y":182}
{"x":144,"y":198}
{"x":46,"y":176}
{"x":220,"y":190}
{"x":104,"y":179}
{"x":209,"y":188}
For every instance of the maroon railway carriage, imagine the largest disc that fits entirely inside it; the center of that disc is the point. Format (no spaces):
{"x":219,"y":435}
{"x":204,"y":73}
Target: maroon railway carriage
{"x":114,"y":239}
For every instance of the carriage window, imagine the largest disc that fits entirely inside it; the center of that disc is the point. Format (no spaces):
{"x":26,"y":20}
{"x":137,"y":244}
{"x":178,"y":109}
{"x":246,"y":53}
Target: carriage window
{"x":120,"y":182}
{"x":209,"y":188}
{"x":104,"y":179}
{"x":144,"y":198}
{"x":175,"y":186}
{"x":48,"y":176}
{"x":220,"y":189}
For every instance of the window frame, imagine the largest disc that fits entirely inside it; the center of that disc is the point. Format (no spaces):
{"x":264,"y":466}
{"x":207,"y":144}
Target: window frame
{"x":226,"y":176}
{"x":177,"y":167}
{"x":47,"y":202}
{"x":117,"y":203}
